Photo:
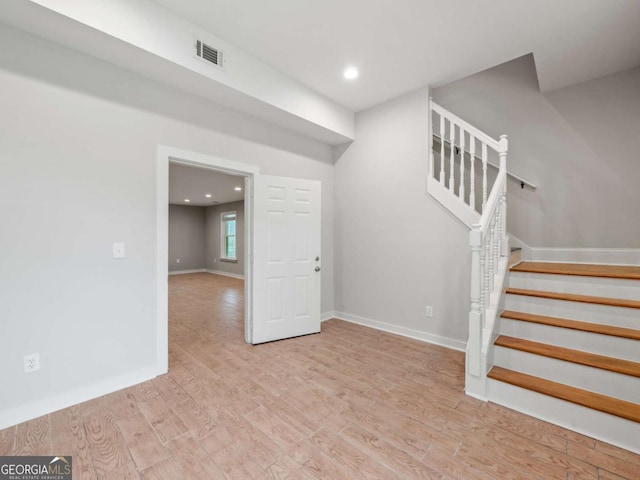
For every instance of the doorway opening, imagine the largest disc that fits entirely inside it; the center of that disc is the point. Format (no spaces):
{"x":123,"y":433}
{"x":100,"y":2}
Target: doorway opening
{"x":224,"y":251}
{"x":282,"y":240}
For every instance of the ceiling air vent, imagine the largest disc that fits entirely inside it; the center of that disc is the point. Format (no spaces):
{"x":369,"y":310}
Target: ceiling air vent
{"x":208,"y":53}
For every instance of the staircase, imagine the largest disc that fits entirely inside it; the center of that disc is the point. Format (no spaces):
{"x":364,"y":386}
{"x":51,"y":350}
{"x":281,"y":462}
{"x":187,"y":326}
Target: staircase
{"x":568,"y":348}
{"x":557,"y":341}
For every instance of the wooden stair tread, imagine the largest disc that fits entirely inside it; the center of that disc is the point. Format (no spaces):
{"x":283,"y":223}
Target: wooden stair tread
{"x":581,"y":269}
{"x":573,"y":324}
{"x":572,"y":297}
{"x":617,"y":365}
{"x":596,"y":401}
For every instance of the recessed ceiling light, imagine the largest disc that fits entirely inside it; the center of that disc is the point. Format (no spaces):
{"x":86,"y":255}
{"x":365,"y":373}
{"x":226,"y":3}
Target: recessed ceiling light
{"x":208,"y":195}
{"x":237,"y":189}
{"x":351,"y":73}
{"x":187,"y":200}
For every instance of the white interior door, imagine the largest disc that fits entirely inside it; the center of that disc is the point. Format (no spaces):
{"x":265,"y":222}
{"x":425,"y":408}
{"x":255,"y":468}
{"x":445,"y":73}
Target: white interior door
{"x":286,"y":258}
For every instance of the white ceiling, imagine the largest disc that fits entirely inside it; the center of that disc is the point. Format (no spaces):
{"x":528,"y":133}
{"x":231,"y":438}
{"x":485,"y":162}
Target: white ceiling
{"x":194,"y":183}
{"x":401,"y":45}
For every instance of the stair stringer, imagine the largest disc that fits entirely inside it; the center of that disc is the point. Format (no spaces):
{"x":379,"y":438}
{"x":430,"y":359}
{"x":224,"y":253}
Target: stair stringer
{"x":452,"y":203}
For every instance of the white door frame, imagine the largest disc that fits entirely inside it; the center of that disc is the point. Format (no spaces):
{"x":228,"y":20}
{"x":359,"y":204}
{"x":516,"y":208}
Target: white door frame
{"x":164,"y":156}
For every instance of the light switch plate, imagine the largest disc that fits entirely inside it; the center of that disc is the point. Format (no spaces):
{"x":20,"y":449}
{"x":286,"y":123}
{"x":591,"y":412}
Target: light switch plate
{"x":118,"y":250}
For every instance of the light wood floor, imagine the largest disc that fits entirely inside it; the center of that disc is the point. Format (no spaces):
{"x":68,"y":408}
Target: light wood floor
{"x":349,"y":403}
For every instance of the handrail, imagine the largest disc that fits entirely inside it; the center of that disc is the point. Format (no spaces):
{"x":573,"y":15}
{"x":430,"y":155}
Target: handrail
{"x":523,"y":182}
{"x":483,"y":137}
{"x":492,"y":201}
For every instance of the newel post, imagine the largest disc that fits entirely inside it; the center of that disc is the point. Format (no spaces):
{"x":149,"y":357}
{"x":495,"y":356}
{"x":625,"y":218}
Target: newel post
{"x":474,"y":344}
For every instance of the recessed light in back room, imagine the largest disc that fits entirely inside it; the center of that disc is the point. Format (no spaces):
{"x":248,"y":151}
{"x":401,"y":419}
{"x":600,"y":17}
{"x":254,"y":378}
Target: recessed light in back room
{"x":351,"y":73}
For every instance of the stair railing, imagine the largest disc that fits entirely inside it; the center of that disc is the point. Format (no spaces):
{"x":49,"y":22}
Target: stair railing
{"x":461,"y":137}
{"x":488,"y":236}
{"x":489,"y":255}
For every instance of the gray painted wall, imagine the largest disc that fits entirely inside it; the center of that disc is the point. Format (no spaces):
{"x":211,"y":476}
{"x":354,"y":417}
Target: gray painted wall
{"x":187,"y":241}
{"x":78,"y":142}
{"x":578,"y":144}
{"x":212,"y":220}
{"x":194,"y":238}
{"x":397,"y":249}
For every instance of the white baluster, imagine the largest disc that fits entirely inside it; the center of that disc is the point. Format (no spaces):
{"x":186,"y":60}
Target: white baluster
{"x":461,"y":189}
{"x":432,"y":132}
{"x":492,"y":261}
{"x":442,"y":137}
{"x":482,"y":270}
{"x":503,"y":148}
{"x":503,"y":221}
{"x":431,"y":162}
{"x":496,"y":243}
{"x":487,"y":267}
{"x":484,"y":176}
{"x":472,"y":174}
{"x":496,"y":248}
{"x":452,"y":139}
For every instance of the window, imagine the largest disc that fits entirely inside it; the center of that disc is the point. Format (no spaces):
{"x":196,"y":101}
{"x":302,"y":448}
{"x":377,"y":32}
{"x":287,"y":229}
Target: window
{"x":228,"y":240}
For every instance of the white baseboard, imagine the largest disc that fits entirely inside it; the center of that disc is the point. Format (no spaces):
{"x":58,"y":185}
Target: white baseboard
{"x":612,"y":256}
{"x":44,"y":406}
{"x":403,"y":331}
{"x":605,"y":256}
{"x":526,"y":249}
{"x":184,"y":272}
{"x":206,"y":270}
{"x":327,"y":316}
{"x":225,"y":274}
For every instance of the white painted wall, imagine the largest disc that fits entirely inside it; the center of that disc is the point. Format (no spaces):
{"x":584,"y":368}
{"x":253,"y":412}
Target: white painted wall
{"x":397,"y":249}
{"x":144,"y":37}
{"x":579,"y":145}
{"x":78,"y":142}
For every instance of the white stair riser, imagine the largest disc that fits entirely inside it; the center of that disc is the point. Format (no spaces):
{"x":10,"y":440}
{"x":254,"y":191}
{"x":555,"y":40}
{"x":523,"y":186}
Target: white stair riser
{"x":611,"y":346}
{"x":595,"y":286}
{"x":587,"y":312}
{"x":608,"y":428}
{"x":515,"y":258}
{"x":616,"y":385}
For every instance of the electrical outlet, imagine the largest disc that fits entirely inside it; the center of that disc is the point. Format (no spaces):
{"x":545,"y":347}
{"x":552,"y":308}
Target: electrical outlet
{"x":177,"y":260}
{"x":31,"y":363}
{"x":429,"y":311}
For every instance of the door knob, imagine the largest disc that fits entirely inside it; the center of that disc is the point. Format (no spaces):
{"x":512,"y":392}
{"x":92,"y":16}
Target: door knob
{"x":317,"y":269}
{"x":317,"y":259}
